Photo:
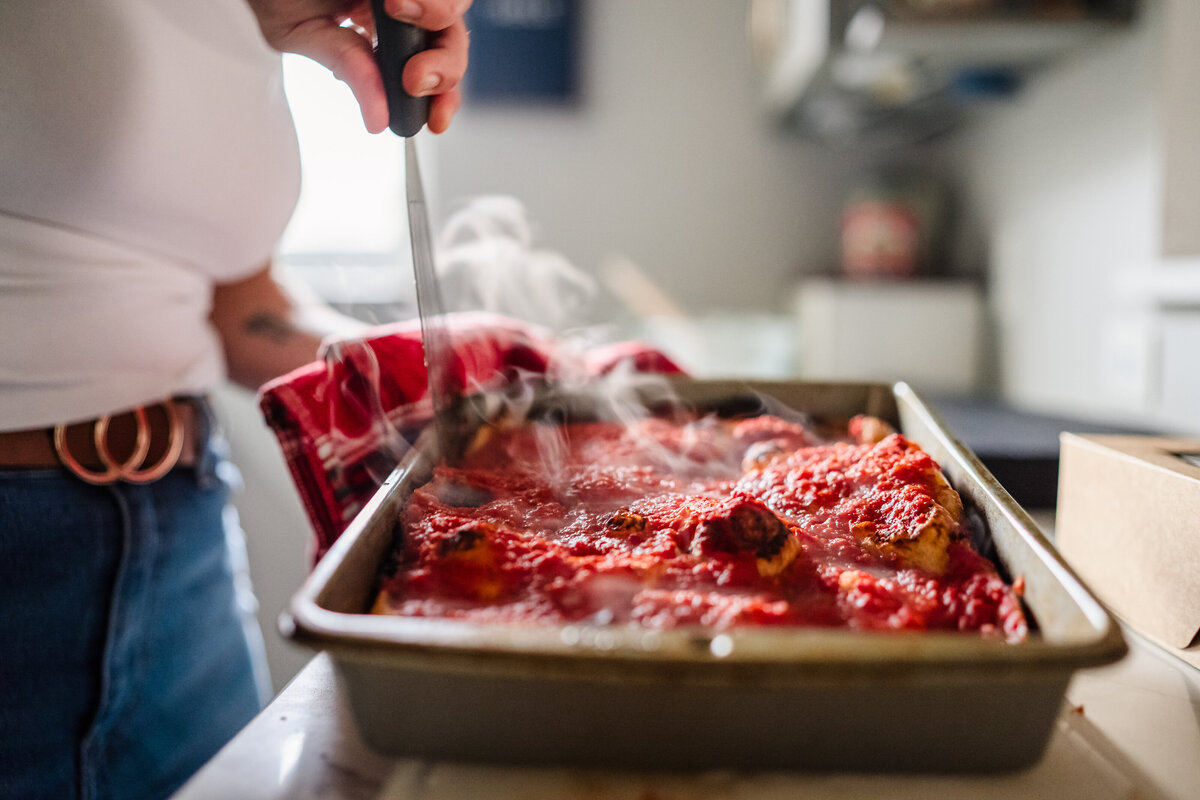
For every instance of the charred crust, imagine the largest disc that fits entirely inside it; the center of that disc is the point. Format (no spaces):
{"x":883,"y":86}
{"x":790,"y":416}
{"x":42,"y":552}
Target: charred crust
{"x":627,"y":521}
{"x":764,"y":532}
{"x":461,"y":541}
{"x":746,"y":527}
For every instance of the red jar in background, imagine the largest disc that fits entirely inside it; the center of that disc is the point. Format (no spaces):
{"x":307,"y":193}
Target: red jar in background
{"x":892,"y":227}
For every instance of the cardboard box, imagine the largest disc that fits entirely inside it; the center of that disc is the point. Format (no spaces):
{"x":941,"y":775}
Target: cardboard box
{"x":1129,"y":523}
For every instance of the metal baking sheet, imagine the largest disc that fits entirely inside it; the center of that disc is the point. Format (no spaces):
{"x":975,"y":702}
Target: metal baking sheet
{"x":794,"y":698}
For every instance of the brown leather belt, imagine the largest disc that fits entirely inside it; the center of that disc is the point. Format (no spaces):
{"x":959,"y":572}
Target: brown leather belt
{"x":137,"y":446}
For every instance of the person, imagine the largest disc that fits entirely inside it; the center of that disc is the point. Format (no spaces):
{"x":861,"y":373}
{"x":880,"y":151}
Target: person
{"x":148,"y":165}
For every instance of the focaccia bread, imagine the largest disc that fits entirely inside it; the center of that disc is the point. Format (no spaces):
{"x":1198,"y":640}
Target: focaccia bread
{"x":699,"y":521}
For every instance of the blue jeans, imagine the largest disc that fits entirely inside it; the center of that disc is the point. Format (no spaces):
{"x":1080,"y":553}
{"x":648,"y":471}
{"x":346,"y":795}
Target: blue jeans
{"x":125,"y":658}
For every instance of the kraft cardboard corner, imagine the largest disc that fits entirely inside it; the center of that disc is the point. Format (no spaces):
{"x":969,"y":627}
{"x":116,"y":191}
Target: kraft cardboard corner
{"x":1128,"y":521}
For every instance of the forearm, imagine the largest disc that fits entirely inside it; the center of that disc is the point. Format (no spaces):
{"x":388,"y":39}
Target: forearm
{"x":268,"y":329}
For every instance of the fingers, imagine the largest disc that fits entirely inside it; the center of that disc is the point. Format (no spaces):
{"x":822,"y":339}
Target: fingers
{"x":440,"y":68}
{"x":436,"y":72}
{"x":441,"y":110}
{"x":347,"y":54}
{"x":312,"y":28}
{"x":432,"y":15}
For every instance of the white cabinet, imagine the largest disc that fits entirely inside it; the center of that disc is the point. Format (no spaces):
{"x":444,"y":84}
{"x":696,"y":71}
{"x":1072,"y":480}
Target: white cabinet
{"x":928,"y":333}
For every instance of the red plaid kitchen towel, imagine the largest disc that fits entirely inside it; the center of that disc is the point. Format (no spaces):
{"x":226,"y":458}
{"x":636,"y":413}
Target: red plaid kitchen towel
{"x":344,"y":421}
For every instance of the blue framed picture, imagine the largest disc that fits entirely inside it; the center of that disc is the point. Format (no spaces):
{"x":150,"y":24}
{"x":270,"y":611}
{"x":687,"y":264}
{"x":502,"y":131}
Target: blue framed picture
{"x":524,"y":51}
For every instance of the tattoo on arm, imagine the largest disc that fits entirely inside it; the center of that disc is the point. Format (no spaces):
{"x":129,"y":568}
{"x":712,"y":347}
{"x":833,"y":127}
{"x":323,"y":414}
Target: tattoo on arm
{"x":270,"y":325}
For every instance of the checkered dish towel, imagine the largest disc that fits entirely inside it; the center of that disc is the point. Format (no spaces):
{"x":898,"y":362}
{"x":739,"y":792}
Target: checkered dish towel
{"x":344,"y":421}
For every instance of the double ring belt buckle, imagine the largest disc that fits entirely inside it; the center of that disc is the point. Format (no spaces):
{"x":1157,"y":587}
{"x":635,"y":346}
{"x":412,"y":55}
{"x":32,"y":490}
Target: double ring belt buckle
{"x":133,"y":468}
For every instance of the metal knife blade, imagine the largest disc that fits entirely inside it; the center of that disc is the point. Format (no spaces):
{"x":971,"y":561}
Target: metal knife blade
{"x":430,"y":307}
{"x":396,"y":42}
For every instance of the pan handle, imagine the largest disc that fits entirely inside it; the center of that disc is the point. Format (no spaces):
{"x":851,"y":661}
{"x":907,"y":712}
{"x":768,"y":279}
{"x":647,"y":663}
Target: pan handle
{"x":396,"y":43}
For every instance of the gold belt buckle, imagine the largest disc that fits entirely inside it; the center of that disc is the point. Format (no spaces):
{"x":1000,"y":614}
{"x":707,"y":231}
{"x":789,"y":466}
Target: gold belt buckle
{"x":131,"y":469}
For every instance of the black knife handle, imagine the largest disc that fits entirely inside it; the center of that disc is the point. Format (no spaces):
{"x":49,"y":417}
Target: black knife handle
{"x":397,"y":42}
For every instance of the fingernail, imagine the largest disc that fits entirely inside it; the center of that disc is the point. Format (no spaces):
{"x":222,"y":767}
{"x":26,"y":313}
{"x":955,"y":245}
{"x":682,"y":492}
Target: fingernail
{"x":409,"y":10}
{"x":431,"y":83}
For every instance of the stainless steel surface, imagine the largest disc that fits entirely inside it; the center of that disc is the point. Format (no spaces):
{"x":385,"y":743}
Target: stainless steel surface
{"x":764,"y":697}
{"x":430,"y":307}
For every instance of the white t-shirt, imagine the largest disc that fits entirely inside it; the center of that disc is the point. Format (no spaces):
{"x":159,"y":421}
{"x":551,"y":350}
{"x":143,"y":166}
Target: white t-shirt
{"x":146,"y":152}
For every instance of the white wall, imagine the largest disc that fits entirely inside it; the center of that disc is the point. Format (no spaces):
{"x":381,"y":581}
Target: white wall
{"x":668,"y":160}
{"x":1180,"y":69}
{"x":1066,"y":186}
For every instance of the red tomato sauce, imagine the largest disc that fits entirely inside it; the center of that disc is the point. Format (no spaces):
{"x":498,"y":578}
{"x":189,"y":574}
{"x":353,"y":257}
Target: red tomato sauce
{"x":707,"y":522}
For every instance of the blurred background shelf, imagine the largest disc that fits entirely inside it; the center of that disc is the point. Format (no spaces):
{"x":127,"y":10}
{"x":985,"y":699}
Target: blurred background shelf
{"x":895,"y":72}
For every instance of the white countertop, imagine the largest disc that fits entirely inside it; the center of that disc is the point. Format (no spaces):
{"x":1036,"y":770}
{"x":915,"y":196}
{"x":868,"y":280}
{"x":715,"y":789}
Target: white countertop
{"x":1128,"y":730}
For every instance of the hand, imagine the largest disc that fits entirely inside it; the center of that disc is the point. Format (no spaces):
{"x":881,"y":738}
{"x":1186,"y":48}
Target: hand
{"x":339,"y":34}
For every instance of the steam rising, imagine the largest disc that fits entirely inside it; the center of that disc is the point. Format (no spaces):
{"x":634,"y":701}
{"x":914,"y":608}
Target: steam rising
{"x":365,"y":446}
{"x":487,"y":261}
